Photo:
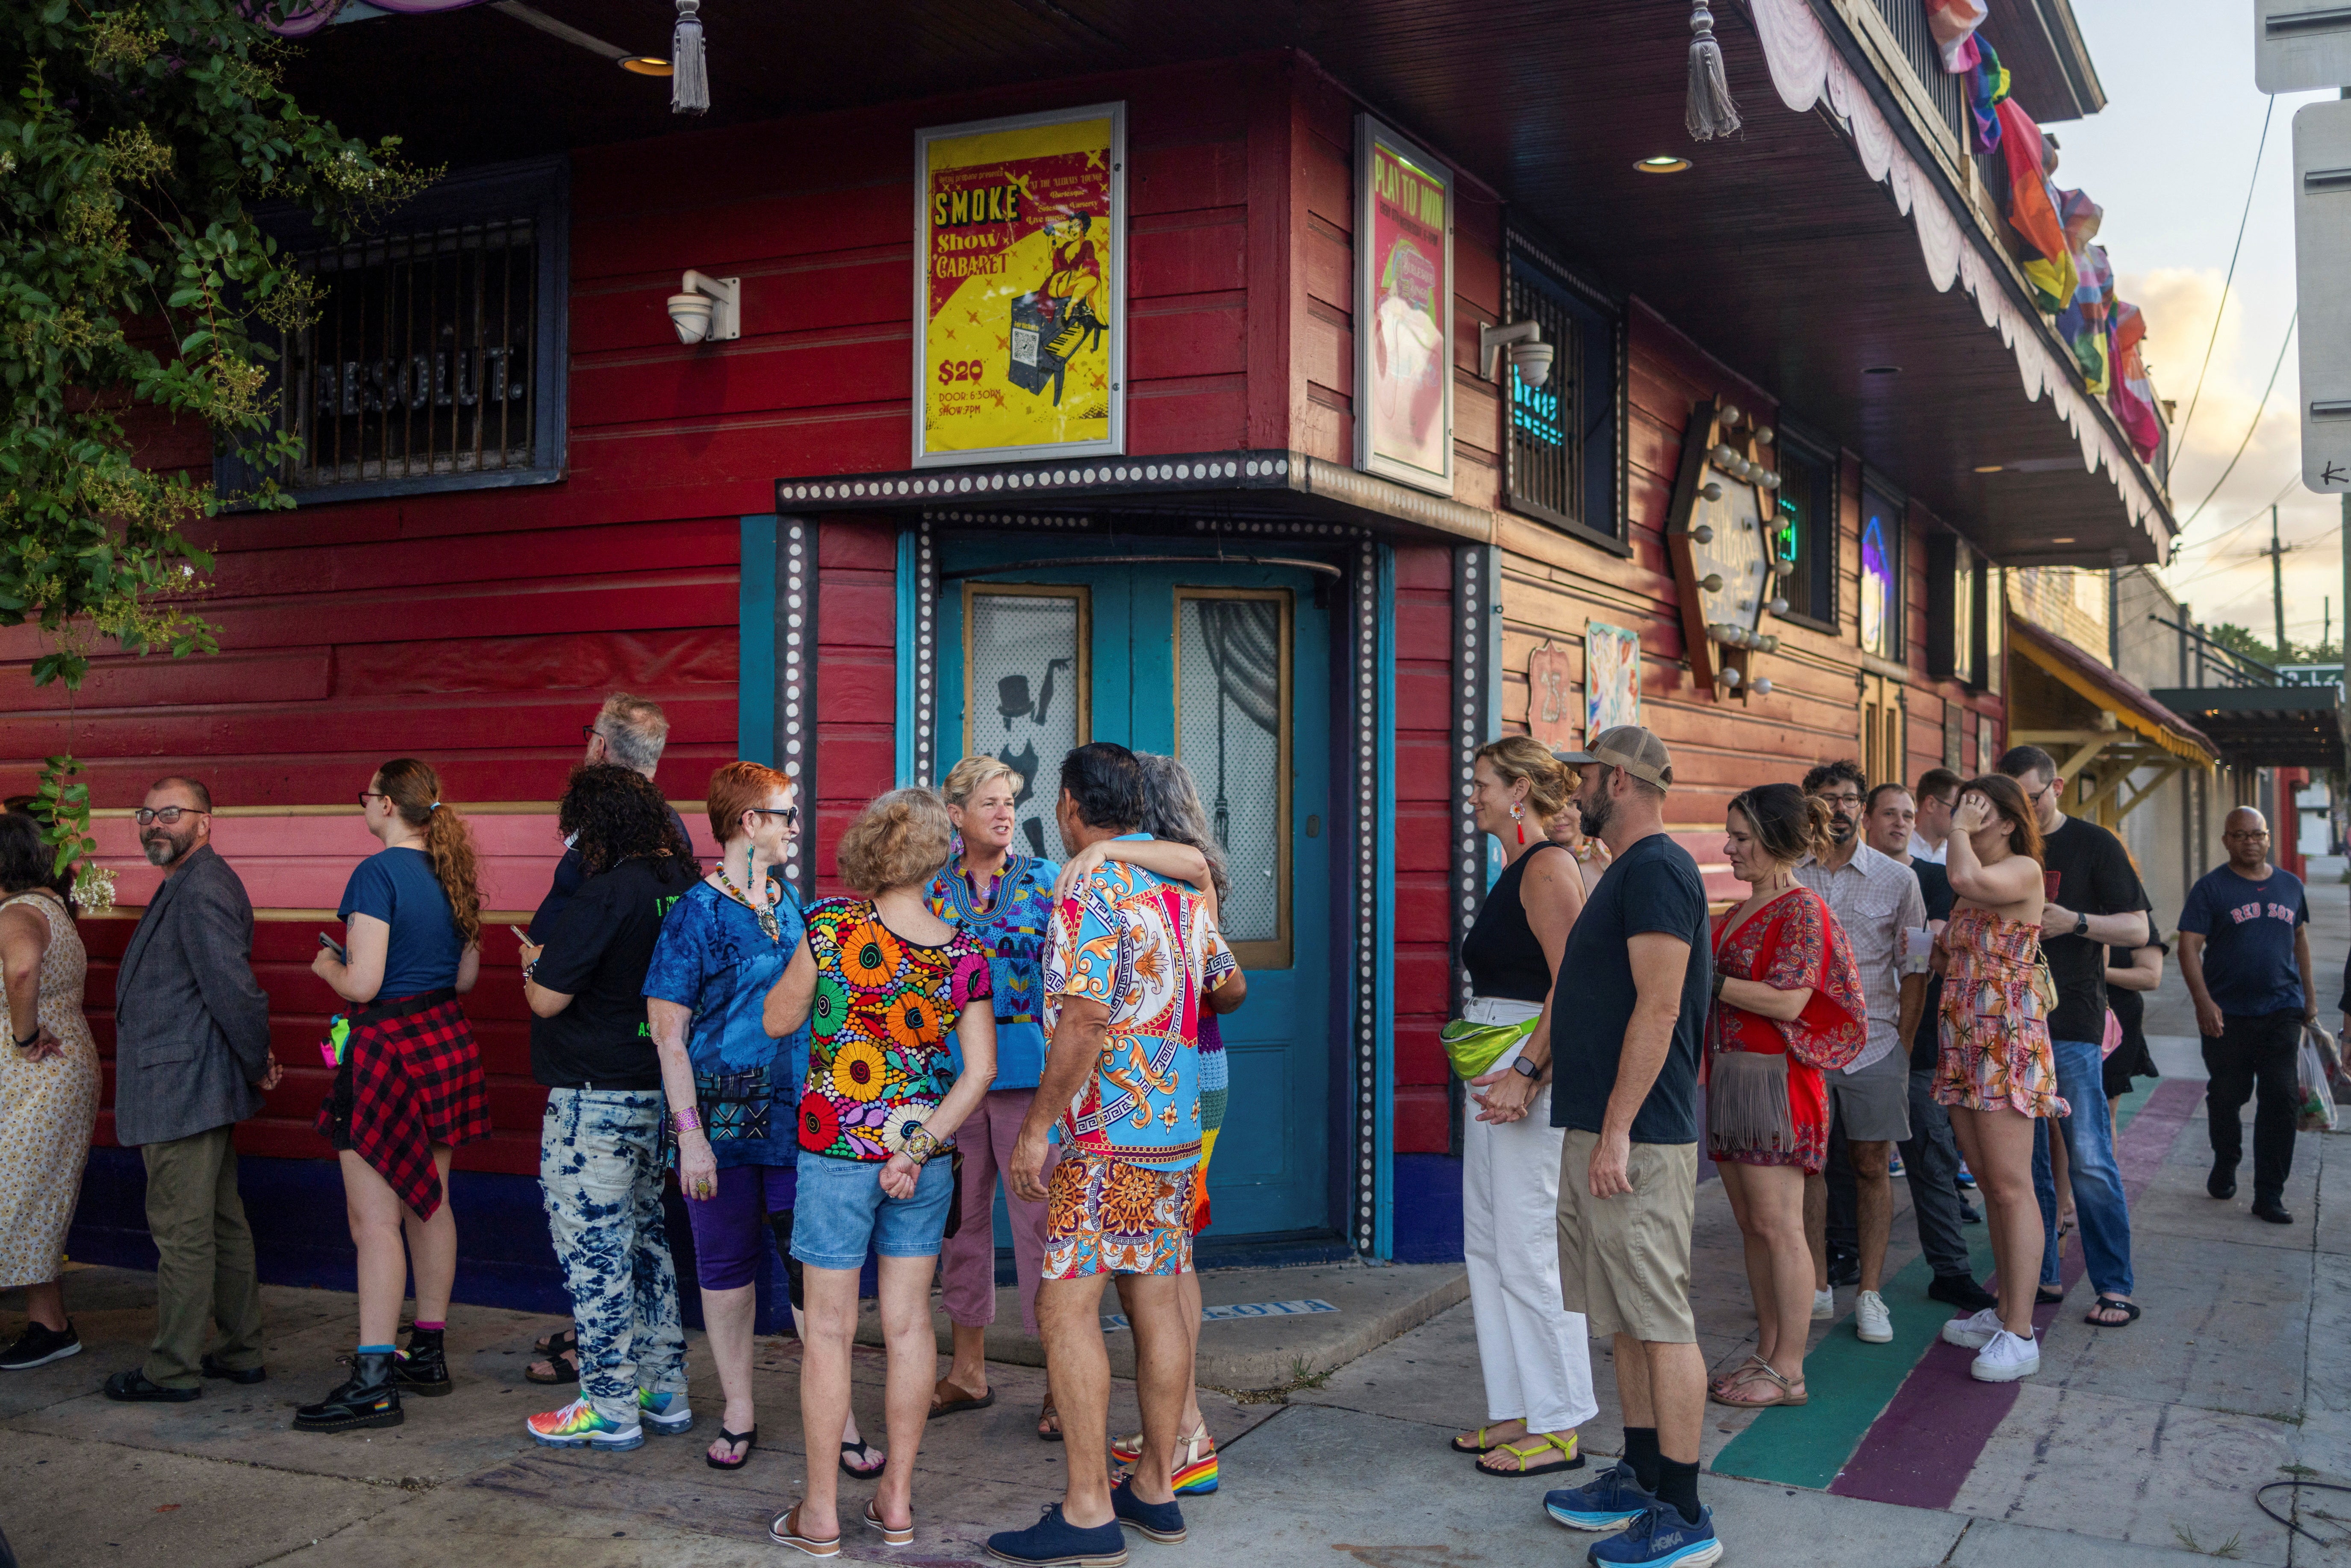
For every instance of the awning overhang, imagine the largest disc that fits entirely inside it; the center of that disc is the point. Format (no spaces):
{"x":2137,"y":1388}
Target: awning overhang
{"x":2136,"y":713}
{"x":2266,"y":726}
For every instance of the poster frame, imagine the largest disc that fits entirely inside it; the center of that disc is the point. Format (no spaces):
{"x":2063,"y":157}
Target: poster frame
{"x":1114,"y":444}
{"x":1370,"y":133}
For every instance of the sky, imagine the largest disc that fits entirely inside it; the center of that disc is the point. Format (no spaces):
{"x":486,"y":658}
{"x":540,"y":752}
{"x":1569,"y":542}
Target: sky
{"x":2170,"y":159}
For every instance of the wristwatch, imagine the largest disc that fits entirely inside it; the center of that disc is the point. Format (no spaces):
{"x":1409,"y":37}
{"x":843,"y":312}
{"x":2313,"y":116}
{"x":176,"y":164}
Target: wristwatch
{"x":1525,"y":1069}
{"x":2081,"y":924}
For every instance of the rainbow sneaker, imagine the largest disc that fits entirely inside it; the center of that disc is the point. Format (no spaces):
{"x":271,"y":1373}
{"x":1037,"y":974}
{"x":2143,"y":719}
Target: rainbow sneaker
{"x":1195,"y":1471}
{"x":578,"y":1425}
{"x":664,"y":1413}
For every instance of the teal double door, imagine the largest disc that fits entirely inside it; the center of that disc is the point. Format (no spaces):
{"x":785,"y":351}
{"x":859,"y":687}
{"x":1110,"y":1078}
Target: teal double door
{"x":1226,"y":666}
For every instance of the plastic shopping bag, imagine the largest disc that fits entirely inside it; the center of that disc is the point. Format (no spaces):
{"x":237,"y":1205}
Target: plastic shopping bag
{"x":2315,"y":1109}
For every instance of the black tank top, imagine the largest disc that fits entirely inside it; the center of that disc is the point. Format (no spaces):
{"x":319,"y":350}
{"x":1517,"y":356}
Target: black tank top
{"x":1501,"y":952}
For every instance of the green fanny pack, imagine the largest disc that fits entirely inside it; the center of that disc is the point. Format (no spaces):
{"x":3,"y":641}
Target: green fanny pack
{"x":1474,"y":1048}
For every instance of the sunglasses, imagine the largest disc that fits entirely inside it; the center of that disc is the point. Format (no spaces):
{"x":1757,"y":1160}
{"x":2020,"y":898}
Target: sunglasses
{"x":169,"y":816}
{"x":790,"y":814}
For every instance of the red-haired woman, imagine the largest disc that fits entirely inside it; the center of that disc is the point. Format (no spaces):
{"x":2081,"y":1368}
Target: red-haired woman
{"x":408,"y":1083}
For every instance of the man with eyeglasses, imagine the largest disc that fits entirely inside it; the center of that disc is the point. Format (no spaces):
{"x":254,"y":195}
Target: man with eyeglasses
{"x":2094,"y":903}
{"x":2244,"y":951}
{"x":192,"y":1060}
{"x":629,"y":732}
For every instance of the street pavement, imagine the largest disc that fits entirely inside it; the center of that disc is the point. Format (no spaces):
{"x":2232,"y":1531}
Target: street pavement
{"x":2142,"y":1445}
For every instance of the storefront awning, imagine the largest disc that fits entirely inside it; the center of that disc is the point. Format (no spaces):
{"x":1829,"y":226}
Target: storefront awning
{"x":2134,"y":710}
{"x":2266,"y":726}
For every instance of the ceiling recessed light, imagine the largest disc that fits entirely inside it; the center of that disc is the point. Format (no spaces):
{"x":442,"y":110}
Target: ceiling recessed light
{"x":646,"y":65}
{"x":1664,"y":164}
{"x":1988,"y":468}
{"x":1881,"y":369}
{"x":2066,"y":541}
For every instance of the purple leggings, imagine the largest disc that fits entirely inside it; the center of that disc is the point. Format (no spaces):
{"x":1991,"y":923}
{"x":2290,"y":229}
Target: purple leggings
{"x":731,"y":1230}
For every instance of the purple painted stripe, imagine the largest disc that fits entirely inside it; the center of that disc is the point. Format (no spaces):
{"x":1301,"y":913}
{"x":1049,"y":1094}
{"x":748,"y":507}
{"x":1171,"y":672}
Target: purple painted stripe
{"x":1918,"y":1453}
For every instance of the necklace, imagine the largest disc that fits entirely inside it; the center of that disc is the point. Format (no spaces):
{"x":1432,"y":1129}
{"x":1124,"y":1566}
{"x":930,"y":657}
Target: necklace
{"x":766,"y":912}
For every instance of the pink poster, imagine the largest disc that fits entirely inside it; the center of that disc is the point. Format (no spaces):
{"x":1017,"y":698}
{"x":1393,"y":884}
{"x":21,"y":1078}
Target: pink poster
{"x":1404,"y":258}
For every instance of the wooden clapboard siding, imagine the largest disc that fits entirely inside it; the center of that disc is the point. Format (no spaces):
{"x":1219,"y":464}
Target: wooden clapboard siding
{"x":856,"y":676}
{"x":1424,"y":703}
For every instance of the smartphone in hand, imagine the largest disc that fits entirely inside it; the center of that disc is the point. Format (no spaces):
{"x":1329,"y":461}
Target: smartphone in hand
{"x":332,"y":945}
{"x":522,"y":935}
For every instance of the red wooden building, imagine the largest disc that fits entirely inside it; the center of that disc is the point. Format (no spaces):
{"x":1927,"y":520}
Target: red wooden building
{"x":1241,"y":482}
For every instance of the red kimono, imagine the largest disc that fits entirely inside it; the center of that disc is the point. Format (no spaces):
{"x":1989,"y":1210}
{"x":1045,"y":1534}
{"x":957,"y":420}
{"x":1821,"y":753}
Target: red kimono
{"x":1766,"y":1104}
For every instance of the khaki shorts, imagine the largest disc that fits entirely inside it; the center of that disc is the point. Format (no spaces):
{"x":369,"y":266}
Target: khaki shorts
{"x":1625,"y":1261}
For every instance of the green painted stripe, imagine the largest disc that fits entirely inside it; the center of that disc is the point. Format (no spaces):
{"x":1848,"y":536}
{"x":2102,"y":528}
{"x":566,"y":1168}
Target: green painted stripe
{"x":1850,"y":1382}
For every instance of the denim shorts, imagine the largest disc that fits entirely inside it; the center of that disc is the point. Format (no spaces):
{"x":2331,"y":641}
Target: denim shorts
{"x":840,"y":1209}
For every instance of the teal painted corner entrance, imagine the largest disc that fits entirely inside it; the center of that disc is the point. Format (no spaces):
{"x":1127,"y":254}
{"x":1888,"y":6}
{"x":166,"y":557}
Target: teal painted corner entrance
{"x":1227,"y":666}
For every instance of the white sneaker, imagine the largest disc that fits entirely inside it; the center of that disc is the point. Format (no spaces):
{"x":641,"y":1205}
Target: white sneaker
{"x":1872,"y":1323}
{"x":1824,"y":1305}
{"x":2005,"y":1358}
{"x":1975,"y":1330}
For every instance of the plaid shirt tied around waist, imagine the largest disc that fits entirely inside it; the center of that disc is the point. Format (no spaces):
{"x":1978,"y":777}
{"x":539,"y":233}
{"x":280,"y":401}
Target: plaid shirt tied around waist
{"x":412,"y":1078}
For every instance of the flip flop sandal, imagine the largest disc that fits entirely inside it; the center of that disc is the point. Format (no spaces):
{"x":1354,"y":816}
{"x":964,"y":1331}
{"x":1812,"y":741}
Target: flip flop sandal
{"x":1733,"y":1379}
{"x":2043,"y":1296}
{"x":1570,"y":1461}
{"x":893,"y":1537}
{"x":947,"y":1398}
{"x":556,"y":1343}
{"x":1045,"y":1414}
{"x":1783,"y":1392}
{"x":784,"y":1529}
{"x":1479,"y":1446}
{"x":564,"y":1367}
{"x":749,"y":1440}
{"x":874,"y":1461}
{"x":2108,"y":1305}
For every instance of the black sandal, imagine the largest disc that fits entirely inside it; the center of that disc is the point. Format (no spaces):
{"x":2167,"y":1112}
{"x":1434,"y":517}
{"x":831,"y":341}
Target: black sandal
{"x":564,"y":1367}
{"x":2106,"y":1303}
{"x":749,"y":1440}
{"x":556,"y":1343}
{"x":860,"y":1447}
{"x":2043,"y":1296}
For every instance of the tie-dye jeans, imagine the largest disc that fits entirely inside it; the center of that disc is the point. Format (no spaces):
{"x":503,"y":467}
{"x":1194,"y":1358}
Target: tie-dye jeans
{"x":600,"y":1162}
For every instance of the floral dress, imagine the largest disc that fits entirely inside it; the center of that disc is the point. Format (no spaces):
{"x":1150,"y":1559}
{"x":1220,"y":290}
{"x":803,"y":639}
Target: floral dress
{"x":1766,"y":1104}
{"x":47,"y":1109}
{"x":878,"y":1029}
{"x":1995,"y":1027}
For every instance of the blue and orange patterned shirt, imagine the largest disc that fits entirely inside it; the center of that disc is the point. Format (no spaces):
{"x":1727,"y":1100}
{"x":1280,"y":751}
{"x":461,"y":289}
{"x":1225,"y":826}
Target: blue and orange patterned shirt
{"x":1145,"y":947}
{"x":878,"y":1029}
{"x":1011,"y":925}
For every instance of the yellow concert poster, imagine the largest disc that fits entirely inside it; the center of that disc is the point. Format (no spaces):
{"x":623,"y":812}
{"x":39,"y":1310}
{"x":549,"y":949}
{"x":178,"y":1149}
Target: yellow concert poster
{"x":1020,"y":300}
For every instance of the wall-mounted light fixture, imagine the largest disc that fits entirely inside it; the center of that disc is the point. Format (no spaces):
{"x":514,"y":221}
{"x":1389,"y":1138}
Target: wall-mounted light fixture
{"x":1662,"y":163}
{"x":710,"y":311}
{"x":1530,"y":355}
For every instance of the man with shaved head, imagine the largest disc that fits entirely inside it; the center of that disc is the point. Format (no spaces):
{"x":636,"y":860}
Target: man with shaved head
{"x":2244,"y":951}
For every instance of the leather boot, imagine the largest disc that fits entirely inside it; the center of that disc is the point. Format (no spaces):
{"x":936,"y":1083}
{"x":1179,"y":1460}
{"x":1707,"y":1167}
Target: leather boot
{"x":370,"y":1398}
{"x":422,"y":1368}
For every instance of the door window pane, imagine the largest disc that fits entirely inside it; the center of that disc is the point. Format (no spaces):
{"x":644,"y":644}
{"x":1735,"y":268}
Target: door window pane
{"x":1025,"y":695}
{"x":1881,"y":576}
{"x":1232,"y":730}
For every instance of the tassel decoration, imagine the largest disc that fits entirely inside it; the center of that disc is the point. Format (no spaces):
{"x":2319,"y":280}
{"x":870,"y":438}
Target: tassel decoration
{"x":689,"y":82}
{"x":1710,"y":112}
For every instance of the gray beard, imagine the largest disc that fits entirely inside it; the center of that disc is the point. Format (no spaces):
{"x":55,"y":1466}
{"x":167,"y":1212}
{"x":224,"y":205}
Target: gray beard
{"x":160,"y":852}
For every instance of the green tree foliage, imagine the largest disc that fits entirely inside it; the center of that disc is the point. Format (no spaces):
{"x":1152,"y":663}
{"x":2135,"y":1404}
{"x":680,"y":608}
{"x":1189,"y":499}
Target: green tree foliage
{"x":2231,"y":636}
{"x":136,"y":142}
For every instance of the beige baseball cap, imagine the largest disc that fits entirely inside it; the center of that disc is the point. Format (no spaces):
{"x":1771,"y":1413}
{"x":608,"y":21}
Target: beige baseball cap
{"x":1631,"y":747}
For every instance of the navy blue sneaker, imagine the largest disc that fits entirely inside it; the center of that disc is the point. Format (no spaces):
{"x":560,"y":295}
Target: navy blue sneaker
{"x":1616,"y":1498}
{"x":1163,"y":1522}
{"x":1660,"y":1538}
{"x":1054,"y":1542}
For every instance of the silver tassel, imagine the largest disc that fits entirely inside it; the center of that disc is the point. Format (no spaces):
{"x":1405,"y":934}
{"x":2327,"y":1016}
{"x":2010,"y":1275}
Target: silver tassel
{"x":1710,"y":112}
{"x":689,"y":82}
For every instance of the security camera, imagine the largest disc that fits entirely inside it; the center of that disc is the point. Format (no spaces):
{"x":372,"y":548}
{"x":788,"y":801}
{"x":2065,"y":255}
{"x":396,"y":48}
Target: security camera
{"x":1530,"y":355}
{"x":709,"y":310}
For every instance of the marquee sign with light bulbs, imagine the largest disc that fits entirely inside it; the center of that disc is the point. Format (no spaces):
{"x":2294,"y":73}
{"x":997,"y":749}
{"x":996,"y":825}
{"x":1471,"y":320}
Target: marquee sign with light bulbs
{"x":1716,"y":539}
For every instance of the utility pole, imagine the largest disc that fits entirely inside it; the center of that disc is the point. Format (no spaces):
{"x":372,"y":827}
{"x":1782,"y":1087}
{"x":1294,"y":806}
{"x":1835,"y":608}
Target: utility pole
{"x":2277,"y":589}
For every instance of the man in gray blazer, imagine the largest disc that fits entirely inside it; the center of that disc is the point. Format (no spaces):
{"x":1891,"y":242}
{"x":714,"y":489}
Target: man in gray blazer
{"x":190,"y":1059}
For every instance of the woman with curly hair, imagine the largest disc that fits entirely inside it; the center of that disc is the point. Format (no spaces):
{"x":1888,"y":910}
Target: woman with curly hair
{"x":881,"y":979}
{"x":408,"y":1082}
{"x":601,"y":1149}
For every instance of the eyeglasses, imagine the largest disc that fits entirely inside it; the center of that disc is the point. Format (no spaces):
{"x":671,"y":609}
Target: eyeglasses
{"x":367,"y":795}
{"x":1835,"y":801}
{"x":790,"y":814}
{"x":169,"y":816}
{"x":590,"y":732}
{"x":2248,"y":835}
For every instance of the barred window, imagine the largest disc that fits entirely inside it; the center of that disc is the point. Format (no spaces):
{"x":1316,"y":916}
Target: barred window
{"x":1562,"y":457}
{"x":420,"y":363}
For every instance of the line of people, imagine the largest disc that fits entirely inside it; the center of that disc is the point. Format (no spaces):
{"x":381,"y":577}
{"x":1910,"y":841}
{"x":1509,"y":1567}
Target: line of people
{"x":1921,"y":972}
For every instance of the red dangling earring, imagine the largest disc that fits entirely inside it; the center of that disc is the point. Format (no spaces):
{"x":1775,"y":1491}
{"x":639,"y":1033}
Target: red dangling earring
{"x":1519,"y":818}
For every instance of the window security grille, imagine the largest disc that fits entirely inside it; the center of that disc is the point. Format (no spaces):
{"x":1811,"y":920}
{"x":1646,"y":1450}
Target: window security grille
{"x":1547,"y":422}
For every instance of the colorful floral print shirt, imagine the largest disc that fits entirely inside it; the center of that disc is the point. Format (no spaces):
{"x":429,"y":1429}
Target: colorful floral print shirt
{"x":1011,"y":925}
{"x":1145,"y":949}
{"x":878,"y":1029}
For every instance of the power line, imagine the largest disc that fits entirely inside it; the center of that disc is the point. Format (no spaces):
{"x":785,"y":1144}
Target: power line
{"x":2258,"y":409}
{"x":2234,"y":529}
{"x":2222,"y":309}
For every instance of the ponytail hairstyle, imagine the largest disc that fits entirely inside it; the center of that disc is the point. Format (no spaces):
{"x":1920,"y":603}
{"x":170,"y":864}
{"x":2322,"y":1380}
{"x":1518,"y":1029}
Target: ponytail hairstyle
{"x":1787,"y":822}
{"x":414,"y":790}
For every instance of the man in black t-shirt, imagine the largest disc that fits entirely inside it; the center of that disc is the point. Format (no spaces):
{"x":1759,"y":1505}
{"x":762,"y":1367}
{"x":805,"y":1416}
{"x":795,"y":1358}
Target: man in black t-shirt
{"x":1626,"y":1092}
{"x":2095,"y":902}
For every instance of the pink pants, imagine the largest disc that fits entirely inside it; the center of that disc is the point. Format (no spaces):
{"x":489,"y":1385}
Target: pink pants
{"x":967,"y":1261}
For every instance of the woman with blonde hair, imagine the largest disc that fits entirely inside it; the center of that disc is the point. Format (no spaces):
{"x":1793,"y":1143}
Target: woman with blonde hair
{"x":1534,"y":1353}
{"x":408,"y":1082}
{"x":880,"y":979}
